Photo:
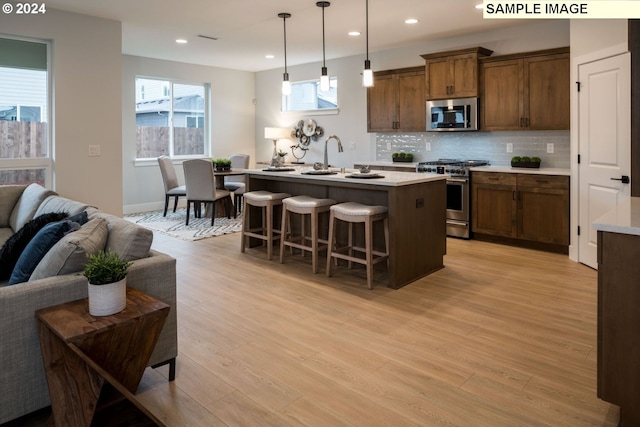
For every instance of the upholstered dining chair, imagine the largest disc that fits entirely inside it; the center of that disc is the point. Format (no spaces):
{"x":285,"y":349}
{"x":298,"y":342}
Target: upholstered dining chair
{"x":201,"y":187}
{"x":170,"y":180}
{"x":236,"y":183}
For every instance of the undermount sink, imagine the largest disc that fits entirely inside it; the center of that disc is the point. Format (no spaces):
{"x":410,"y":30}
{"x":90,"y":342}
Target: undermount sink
{"x":319,"y":172}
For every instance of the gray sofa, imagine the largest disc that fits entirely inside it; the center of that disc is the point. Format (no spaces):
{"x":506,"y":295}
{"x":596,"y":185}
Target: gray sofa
{"x":23,"y":386}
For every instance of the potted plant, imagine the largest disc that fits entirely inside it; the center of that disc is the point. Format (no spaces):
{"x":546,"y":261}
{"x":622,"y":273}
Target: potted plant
{"x":525,"y":162}
{"x":278,"y":160}
{"x":107,"y":276}
{"x":402,"y":157}
{"x":222,"y":165}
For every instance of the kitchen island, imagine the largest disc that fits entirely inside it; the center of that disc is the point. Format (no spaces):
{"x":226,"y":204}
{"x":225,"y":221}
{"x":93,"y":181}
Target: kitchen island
{"x":416,"y":207}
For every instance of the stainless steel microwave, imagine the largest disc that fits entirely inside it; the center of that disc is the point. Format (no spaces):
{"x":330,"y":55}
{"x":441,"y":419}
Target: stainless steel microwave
{"x":452,"y":115}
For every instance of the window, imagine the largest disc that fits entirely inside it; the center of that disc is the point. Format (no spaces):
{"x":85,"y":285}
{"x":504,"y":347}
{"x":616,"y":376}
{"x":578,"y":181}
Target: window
{"x":25,"y":153}
{"x":171,"y":118}
{"x":307,"y":96}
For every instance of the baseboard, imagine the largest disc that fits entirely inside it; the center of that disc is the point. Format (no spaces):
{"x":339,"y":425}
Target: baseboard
{"x":149,"y":207}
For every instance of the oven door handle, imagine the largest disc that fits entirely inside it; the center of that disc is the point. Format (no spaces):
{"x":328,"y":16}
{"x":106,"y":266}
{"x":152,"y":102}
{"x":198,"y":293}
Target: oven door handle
{"x":461,"y":180}
{"x":454,"y":222}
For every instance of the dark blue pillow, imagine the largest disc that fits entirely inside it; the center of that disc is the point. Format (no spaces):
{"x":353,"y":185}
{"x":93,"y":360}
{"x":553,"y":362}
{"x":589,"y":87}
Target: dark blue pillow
{"x":13,"y":247}
{"x":81,"y":218}
{"x":38,"y":248}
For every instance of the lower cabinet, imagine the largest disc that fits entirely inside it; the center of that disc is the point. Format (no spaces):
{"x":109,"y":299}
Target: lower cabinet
{"x":527,"y":207}
{"x":619,"y":323}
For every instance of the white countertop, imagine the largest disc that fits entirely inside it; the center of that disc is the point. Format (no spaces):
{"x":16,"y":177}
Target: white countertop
{"x":389,"y":178}
{"x":623,"y":219}
{"x":509,"y":169}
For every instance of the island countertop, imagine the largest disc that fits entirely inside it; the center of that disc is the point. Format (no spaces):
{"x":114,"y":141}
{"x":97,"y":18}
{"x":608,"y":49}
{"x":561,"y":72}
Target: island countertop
{"x":387,"y":178}
{"x":623,"y":219}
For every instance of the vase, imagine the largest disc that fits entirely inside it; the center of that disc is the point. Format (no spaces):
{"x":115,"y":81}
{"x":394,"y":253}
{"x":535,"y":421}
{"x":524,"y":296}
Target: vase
{"x":105,"y":300}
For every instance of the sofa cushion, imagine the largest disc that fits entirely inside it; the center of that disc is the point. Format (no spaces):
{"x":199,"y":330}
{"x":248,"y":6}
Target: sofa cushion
{"x":15,"y":245}
{"x":129,"y":240}
{"x":37,"y":249}
{"x":69,"y":254}
{"x":26,"y":207}
{"x":57,"y":203}
{"x":9,"y":195}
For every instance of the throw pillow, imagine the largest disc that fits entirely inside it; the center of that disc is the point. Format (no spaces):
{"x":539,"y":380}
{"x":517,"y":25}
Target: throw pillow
{"x":69,"y":255}
{"x":13,"y":247}
{"x":9,"y":196}
{"x":26,"y":207}
{"x":79,"y":218}
{"x":37,"y":249}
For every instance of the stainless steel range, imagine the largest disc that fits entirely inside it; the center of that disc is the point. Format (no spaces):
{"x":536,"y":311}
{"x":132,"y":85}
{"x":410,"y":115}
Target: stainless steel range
{"x":458,"y":194}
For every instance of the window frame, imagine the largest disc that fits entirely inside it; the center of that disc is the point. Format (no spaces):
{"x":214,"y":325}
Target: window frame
{"x":178,"y":159}
{"x":46,"y":163}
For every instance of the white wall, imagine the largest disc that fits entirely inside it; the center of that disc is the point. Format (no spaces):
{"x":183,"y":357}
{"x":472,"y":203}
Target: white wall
{"x":351,"y":123}
{"x":232,"y":122}
{"x":86,"y":68}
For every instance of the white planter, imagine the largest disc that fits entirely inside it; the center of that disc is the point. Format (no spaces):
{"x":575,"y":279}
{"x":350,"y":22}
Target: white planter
{"x":105,"y":300}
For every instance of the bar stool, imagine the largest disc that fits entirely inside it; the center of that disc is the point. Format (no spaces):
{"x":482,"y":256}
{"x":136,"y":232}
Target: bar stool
{"x":352,"y":213}
{"x":303,"y":205}
{"x":265,"y":200}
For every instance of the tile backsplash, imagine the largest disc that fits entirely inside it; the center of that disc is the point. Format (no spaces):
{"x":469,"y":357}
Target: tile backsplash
{"x":490,"y":146}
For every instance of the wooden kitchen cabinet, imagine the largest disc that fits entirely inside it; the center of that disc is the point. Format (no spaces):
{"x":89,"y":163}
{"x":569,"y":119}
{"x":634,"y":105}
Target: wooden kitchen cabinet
{"x":453,"y":74}
{"x":494,"y":206}
{"x":528,"y":91}
{"x":619,"y":323}
{"x":527,"y":207}
{"x":396,"y":102}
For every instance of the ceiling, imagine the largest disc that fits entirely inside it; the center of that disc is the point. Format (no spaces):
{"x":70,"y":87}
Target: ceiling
{"x":247,"y":30}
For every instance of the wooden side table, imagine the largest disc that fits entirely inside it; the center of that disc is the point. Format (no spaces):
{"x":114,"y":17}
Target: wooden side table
{"x":81,"y":353}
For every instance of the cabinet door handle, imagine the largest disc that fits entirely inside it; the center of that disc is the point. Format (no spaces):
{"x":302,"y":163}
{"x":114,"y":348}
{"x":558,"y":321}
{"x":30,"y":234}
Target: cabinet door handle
{"x":526,"y":122}
{"x":521,"y":122}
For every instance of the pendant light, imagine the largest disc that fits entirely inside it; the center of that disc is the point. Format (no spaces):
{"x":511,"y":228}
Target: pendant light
{"x":324,"y":77}
{"x":367,"y":74}
{"x":286,"y":84}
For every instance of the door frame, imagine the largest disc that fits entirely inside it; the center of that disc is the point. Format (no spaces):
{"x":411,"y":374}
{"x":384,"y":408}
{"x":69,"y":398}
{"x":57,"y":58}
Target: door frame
{"x":575,"y":143}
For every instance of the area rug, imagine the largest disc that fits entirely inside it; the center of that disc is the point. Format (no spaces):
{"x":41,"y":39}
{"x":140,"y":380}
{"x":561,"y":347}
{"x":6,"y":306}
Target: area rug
{"x":173,"y":224}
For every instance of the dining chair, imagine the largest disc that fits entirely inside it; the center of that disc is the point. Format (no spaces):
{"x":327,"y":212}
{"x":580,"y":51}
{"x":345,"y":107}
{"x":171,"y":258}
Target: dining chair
{"x":201,"y":187}
{"x":236,"y":183}
{"x":170,"y":180}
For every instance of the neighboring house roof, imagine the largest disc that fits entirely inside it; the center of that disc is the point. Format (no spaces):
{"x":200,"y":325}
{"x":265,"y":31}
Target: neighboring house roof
{"x":182,"y":103}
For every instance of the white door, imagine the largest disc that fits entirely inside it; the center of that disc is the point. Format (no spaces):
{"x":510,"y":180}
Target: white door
{"x":604,"y":104}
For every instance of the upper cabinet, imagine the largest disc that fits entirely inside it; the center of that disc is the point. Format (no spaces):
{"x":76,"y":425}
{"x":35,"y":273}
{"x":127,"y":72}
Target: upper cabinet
{"x":453,"y":74}
{"x":396,"y":102}
{"x":528,"y":91}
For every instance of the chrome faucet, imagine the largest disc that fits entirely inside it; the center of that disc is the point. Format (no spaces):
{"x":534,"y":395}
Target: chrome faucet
{"x":326,"y":157}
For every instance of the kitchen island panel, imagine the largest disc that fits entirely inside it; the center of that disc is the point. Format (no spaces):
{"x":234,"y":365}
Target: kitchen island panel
{"x":417,"y":211}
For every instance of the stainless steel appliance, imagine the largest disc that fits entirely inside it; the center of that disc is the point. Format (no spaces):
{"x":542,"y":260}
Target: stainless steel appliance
{"x":458,"y":191}
{"x":452,"y":115}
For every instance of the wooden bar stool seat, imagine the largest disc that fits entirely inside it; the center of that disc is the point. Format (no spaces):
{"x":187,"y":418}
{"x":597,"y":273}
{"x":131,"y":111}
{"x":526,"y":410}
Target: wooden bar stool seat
{"x":352,"y":213}
{"x":304,"y":205}
{"x":265,"y":200}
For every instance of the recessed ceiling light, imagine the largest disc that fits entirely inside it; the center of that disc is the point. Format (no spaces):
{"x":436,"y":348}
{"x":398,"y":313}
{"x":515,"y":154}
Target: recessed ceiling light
{"x":411,"y":21}
{"x":354,"y":33}
{"x":269,"y":56}
{"x":181,"y":41}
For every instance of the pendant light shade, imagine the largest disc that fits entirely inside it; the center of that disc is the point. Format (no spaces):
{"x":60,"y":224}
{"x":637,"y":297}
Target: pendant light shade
{"x":286,"y":84}
{"x":367,"y":74}
{"x":324,"y":77}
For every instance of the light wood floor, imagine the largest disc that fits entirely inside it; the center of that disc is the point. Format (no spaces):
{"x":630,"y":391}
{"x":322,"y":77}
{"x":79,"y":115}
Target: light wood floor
{"x":501,"y":336}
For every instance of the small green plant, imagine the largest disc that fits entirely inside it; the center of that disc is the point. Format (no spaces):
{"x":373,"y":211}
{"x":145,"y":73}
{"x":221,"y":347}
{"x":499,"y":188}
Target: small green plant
{"x":222,"y":162}
{"x":402,"y":155}
{"x":395,"y":155}
{"x":525,"y":159}
{"x":105,"y":267}
{"x":516,"y":159}
{"x":282,"y":153}
{"x":536,"y":159}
